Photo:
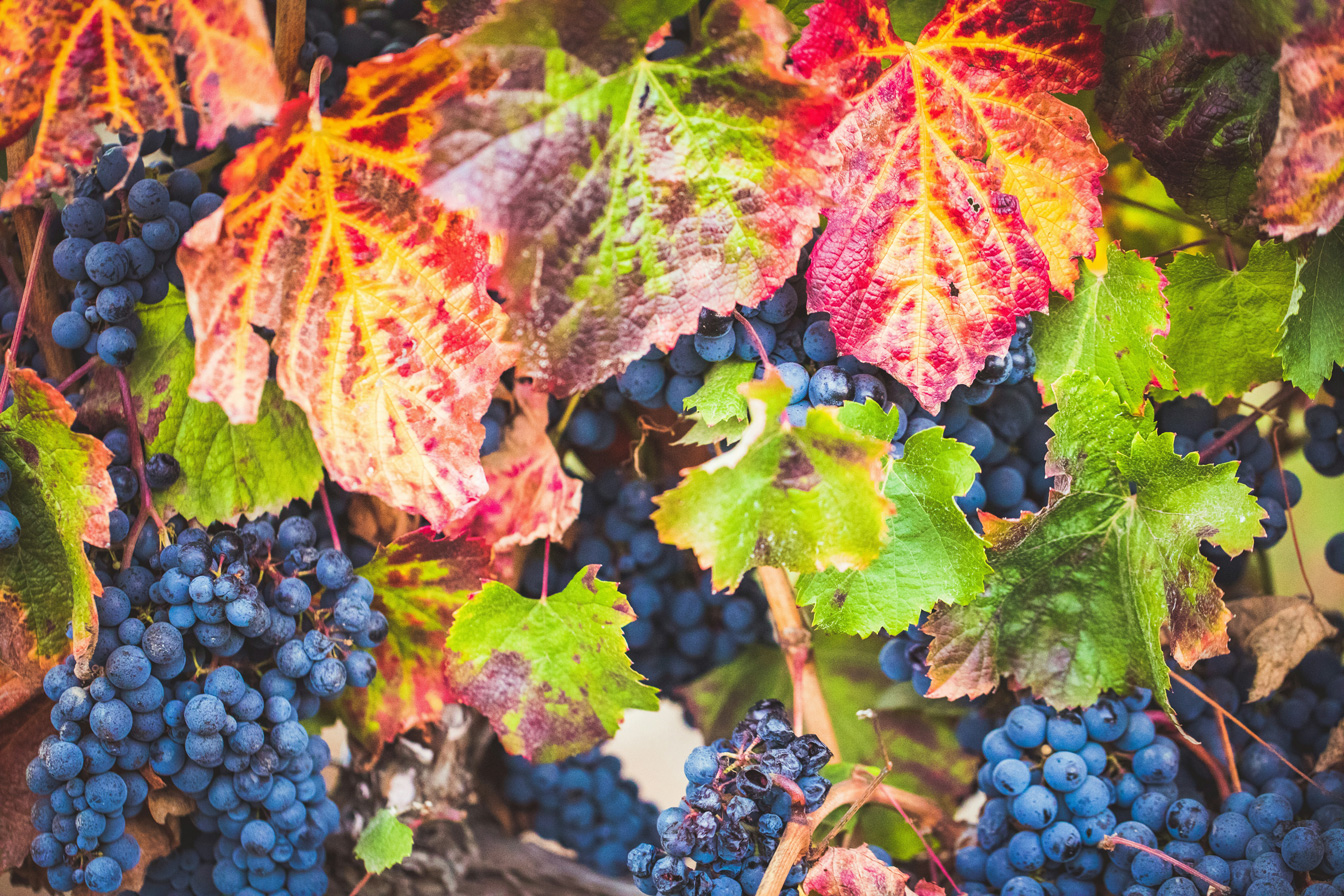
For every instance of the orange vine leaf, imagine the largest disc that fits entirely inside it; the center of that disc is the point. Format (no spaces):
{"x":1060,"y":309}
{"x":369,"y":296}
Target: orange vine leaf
{"x":384,"y":332}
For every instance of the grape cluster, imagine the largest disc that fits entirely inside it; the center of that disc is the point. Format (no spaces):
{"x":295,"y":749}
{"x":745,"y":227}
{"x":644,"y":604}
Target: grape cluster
{"x":1196,"y":426}
{"x":180,"y":688}
{"x":137,"y":263}
{"x":683,"y":627}
{"x":374,"y":30}
{"x":736,"y":806}
{"x":584,"y":804}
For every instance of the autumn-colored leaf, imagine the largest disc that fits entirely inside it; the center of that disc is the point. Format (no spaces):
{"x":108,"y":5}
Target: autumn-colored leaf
{"x":385,"y":334}
{"x":61,"y":495}
{"x":20,"y":736}
{"x":965,"y":189}
{"x":530,"y":496}
{"x":1302,"y":178}
{"x":452,"y":16}
{"x":1083,"y":593}
{"x":553,"y":674}
{"x":22,"y":665}
{"x":853,"y":872}
{"x":419,"y":581}
{"x":72,"y":66}
{"x":802,"y":498}
{"x":1278,"y":632}
{"x":632,"y":193}
{"x":1221,"y":27}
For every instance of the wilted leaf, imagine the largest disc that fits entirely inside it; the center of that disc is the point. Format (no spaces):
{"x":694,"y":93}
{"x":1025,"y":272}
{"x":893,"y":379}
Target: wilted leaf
{"x":1333,"y":754}
{"x":72,"y":66}
{"x":419,"y":581}
{"x":1082,"y":592}
{"x":632,"y":193}
{"x":799,"y":498}
{"x":227,"y":469}
{"x":932,"y":554}
{"x":1108,"y":329}
{"x":1240,"y":26}
{"x":1313,"y":330}
{"x":1226,"y":325}
{"x":20,"y":736}
{"x":385,"y":334}
{"x":965,"y":189}
{"x":529,"y":494}
{"x":61,"y":495}
{"x":1278,"y":632}
{"x":1201,"y":124}
{"x":551,"y":674}
{"x":21,"y":664}
{"x":853,"y":872}
{"x":155,"y":841}
{"x":385,"y":841}
{"x":720,"y":411}
{"x":1302,"y":179}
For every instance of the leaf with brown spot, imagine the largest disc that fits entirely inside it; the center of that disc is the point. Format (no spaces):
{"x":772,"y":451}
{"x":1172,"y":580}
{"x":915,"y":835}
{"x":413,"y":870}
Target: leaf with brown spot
{"x":419,"y":581}
{"x":1278,"y":632}
{"x":632,"y":193}
{"x":21,"y":664}
{"x":553,"y":674}
{"x":529,"y":495}
{"x":21,"y":734}
{"x":1082,"y":593}
{"x":853,"y":872}
{"x":73,"y":66}
{"x":385,"y":334}
{"x":802,"y":498}
{"x":62,"y":495}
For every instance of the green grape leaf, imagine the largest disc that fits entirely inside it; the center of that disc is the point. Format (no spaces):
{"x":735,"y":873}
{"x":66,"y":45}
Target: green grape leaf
{"x":720,"y":410}
{"x":1201,"y":124}
{"x":1082,"y":592}
{"x":631,"y":193}
{"x":1313,"y":330}
{"x":799,"y":498}
{"x":932,"y":554}
{"x":869,"y":418}
{"x":1226,"y":325}
{"x":419,"y":582}
{"x":61,"y":494}
{"x":385,"y":841}
{"x":552,"y":675}
{"x":227,"y":470}
{"x":1109,"y":329}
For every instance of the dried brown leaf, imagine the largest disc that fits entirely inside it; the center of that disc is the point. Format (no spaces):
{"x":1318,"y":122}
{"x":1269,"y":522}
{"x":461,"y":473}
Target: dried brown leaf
{"x":1278,"y":632}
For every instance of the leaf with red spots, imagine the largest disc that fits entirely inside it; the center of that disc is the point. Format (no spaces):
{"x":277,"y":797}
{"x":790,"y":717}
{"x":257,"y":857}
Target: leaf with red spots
{"x":452,"y":16}
{"x":799,"y":497}
{"x":1302,"y":179}
{"x":72,"y":66}
{"x":61,"y":494}
{"x":853,"y":872}
{"x":964,"y":190}
{"x":632,"y":192}
{"x":552,"y":675}
{"x":1083,"y":592}
{"x":385,"y":334}
{"x":529,"y":495}
{"x":419,"y":582}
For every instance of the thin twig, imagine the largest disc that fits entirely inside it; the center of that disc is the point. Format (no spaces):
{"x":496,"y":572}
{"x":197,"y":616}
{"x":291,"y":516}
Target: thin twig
{"x":137,"y":450}
{"x":1227,"y":752}
{"x":545,"y":567}
{"x":565,"y":417}
{"x":1108,"y":196}
{"x":755,"y":341}
{"x":1218,"y":444}
{"x":1288,"y":510}
{"x":1190,"y":245}
{"x":809,"y":704}
{"x":1111,"y":841}
{"x":33,"y":267}
{"x":78,"y":374}
{"x":362,"y":881}
{"x":326,"y":510}
{"x":1201,"y":753}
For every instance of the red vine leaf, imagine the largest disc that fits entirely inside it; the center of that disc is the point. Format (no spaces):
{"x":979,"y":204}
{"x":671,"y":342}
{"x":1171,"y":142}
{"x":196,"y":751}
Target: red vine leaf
{"x":419,"y":581}
{"x":72,"y":66}
{"x":530,"y":496}
{"x":385,"y":334}
{"x":853,"y":872}
{"x":965,"y":188}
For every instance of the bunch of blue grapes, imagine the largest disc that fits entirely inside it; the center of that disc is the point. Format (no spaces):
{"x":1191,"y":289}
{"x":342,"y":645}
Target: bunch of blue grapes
{"x":584,"y":804}
{"x":719,"y":840}
{"x":1325,"y":431}
{"x":684,"y":627}
{"x":1197,"y":427}
{"x":120,"y":250}
{"x":905,"y":657}
{"x":206,"y":664}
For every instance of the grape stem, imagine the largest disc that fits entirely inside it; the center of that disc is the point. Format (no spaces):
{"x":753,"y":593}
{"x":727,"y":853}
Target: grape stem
{"x":755,"y":341}
{"x":1292,"y":523}
{"x":1213,"y":765}
{"x":29,"y":285}
{"x":78,"y":374}
{"x":796,"y":641}
{"x":1218,"y":444}
{"x":362,"y":881}
{"x":326,"y":511}
{"x":1111,"y":841}
{"x":147,"y":510}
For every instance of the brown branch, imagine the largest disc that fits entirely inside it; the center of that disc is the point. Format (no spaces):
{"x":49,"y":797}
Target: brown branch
{"x":79,"y":374}
{"x":331,"y":520}
{"x":809,"y":704}
{"x":28,"y":288}
{"x":1218,"y":444}
{"x":147,"y":510}
{"x":1227,"y":751}
{"x":290,"y":16}
{"x":46,"y":302}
